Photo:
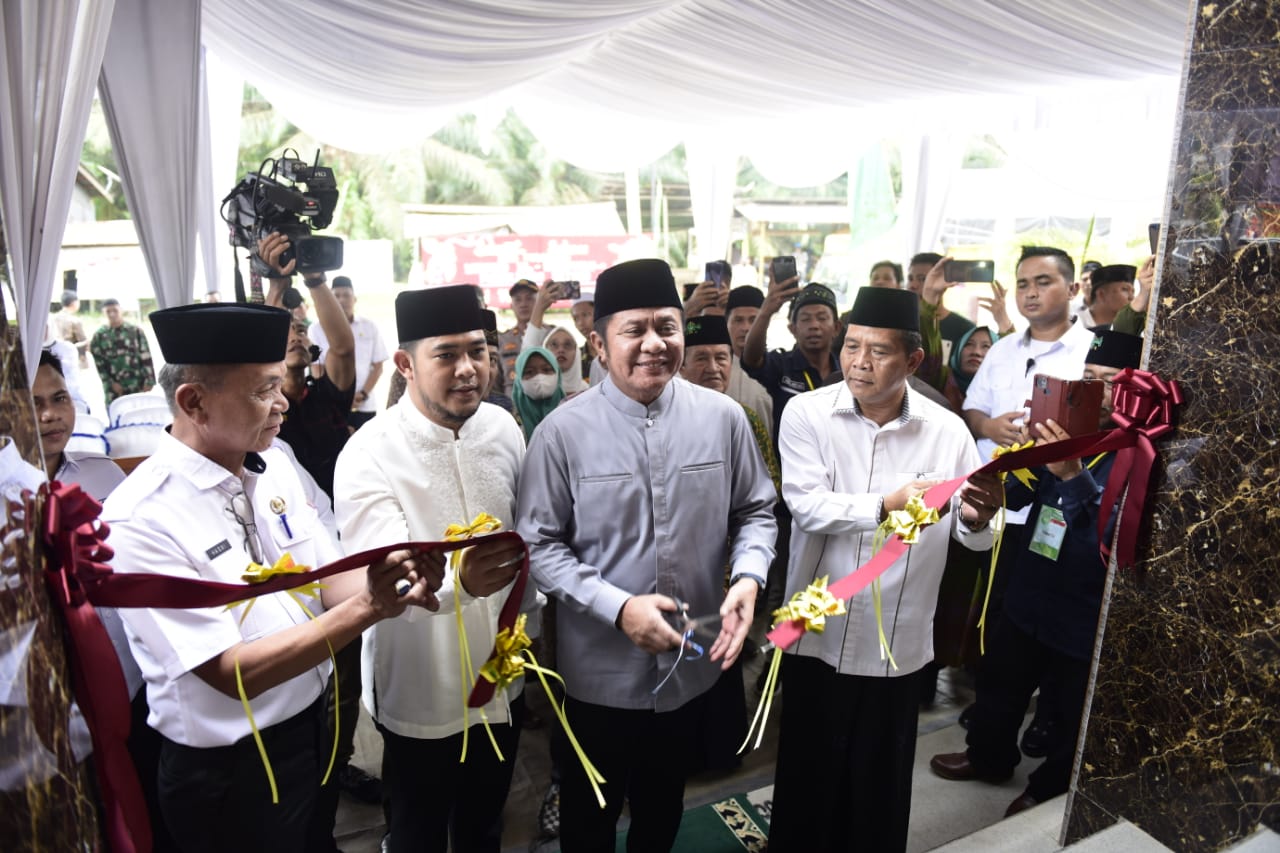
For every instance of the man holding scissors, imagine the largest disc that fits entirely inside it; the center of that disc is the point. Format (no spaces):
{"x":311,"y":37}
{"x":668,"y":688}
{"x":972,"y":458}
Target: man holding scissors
{"x":633,"y":494}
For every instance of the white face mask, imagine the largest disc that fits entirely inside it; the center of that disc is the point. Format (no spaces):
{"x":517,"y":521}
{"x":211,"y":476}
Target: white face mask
{"x":541,"y":386}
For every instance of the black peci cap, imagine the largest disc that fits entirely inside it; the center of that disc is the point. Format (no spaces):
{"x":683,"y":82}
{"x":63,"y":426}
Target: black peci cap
{"x":1114,"y":349}
{"x":449,"y":310}
{"x":745,"y":297}
{"x":222,"y":333}
{"x":706,"y":331}
{"x":645,"y":283}
{"x":886,"y":308}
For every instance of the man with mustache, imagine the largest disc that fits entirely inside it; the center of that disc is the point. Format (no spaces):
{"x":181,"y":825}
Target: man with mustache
{"x":214,"y":499}
{"x":634,"y":494}
{"x":439,"y":456}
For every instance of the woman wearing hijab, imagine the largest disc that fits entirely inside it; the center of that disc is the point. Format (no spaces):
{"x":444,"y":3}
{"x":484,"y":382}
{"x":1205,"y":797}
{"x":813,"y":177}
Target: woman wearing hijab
{"x":537,"y":389}
{"x":565,"y":349}
{"x":966,"y":358}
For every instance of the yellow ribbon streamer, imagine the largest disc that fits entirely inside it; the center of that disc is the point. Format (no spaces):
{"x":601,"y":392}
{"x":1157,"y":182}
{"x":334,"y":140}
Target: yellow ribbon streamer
{"x":906,"y":524}
{"x":480,"y":525}
{"x":258,"y":573}
{"x":810,"y":606}
{"x":1024,"y":476}
{"x":511,"y":657}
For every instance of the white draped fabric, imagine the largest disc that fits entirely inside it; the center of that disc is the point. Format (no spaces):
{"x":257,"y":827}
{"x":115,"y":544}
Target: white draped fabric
{"x":149,"y":91}
{"x":49,"y":55}
{"x":381,"y":73}
{"x":800,"y":87}
{"x":713,"y":176}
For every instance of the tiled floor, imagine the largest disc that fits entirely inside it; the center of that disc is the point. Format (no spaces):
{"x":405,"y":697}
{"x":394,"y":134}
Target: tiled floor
{"x":941,"y":810}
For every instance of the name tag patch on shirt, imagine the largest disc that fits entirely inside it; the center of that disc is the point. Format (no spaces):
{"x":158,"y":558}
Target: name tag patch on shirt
{"x":1051,"y":529}
{"x":218,"y":550}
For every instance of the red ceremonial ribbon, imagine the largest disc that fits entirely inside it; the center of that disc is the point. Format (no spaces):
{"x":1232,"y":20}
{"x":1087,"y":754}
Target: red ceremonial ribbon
{"x":79,"y":578}
{"x":77,"y":558}
{"x":1142,"y":404}
{"x":483,"y":690}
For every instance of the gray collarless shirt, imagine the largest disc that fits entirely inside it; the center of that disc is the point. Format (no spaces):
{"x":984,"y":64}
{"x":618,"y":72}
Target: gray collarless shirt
{"x":619,"y":499}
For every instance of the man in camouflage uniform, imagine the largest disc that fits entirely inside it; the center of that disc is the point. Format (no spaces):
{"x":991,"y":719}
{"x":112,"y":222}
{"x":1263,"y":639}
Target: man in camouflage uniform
{"x":122,"y":355}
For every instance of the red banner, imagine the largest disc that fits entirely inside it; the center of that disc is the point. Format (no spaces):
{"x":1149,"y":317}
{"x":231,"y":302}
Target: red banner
{"x":496,"y":261}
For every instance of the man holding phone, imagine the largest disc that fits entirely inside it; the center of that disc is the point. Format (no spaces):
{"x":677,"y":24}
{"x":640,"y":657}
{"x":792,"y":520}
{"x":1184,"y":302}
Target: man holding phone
{"x":1054,"y":344}
{"x":1044,"y":635}
{"x":712,"y":295}
{"x":814,"y":326}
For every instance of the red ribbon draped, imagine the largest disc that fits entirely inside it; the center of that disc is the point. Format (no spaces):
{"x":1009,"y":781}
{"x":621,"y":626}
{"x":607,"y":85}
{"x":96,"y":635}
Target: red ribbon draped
{"x":1142,"y":404}
{"x":79,"y":578}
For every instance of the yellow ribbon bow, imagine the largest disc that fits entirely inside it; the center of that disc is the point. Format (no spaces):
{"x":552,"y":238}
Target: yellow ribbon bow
{"x":480,"y":525}
{"x":1024,"y":476}
{"x":906,"y":522}
{"x":810,"y":606}
{"x":507,"y":663}
{"x":257,"y":573}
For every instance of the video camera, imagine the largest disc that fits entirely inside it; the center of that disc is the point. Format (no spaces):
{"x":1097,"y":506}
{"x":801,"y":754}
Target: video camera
{"x":293,"y":198}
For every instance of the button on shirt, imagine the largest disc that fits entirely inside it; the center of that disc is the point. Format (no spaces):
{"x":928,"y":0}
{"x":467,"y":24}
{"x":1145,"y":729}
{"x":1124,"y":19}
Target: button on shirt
{"x":836,"y":466}
{"x":171,"y":517}
{"x":620,"y":499}
{"x":1004,"y":381}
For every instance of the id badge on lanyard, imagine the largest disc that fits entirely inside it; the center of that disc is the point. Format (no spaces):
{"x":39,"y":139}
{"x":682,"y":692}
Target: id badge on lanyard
{"x":1050,"y":530}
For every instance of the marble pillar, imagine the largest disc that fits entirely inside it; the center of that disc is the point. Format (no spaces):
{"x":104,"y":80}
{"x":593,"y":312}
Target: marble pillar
{"x":1183,"y":729}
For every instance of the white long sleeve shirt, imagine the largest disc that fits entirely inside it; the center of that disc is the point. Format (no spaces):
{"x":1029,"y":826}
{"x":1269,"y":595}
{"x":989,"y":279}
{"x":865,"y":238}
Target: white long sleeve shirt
{"x":1004,"y":381}
{"x":404,"y":478}
{"x":836,"y":467}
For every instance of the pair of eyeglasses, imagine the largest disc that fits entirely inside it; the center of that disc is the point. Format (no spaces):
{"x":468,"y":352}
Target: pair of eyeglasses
{"x":242,"y":511}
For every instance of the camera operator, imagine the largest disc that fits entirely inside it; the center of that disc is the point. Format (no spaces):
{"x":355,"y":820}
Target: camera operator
{"x":315,"y":426}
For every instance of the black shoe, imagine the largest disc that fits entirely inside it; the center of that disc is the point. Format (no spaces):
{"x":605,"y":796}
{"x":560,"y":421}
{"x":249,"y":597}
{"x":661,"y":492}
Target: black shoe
{"x":1040,"y":738}
{"x":360,"y":785}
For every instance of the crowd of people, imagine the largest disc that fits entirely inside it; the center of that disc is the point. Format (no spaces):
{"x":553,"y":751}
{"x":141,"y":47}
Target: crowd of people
{"x":674,"y":480}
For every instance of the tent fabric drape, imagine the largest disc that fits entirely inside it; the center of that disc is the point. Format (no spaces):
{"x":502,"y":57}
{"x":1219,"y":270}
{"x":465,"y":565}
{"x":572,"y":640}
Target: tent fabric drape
{"x":149,"y":86}
{"x":381,"y":75}
{"x":50,"y":58}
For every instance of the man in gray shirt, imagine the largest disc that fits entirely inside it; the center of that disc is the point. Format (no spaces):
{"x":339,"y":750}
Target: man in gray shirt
{"x":634,"y":494}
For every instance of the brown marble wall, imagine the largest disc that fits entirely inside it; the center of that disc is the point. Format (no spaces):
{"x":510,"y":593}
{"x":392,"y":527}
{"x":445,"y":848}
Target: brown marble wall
{"x":1183,"y":735}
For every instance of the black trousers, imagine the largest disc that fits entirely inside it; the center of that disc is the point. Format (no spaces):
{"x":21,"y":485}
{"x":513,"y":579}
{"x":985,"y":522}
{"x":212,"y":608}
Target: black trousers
{"x":644,"y":757}
{"x":218,"y":799}
{"x":434,"y":798}
{"x":145,"y":744}
{"x":845,"y":753}
{"x":347,"y":701}
{"x":1013,"y":667}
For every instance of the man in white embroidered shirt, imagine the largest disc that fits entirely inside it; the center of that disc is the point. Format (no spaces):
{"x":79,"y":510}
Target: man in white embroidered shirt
{"x":439,"y":456}
{"x":852,"y":453}
{"x":214,"y":498}
{"x":634,"y":493}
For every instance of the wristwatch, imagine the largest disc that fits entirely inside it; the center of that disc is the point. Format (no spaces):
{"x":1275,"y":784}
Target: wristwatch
{"x":759,"y":583}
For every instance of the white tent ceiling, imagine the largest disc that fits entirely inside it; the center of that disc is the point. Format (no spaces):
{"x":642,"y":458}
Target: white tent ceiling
{"x":643,"y":74}
{"x":803,"y":88}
